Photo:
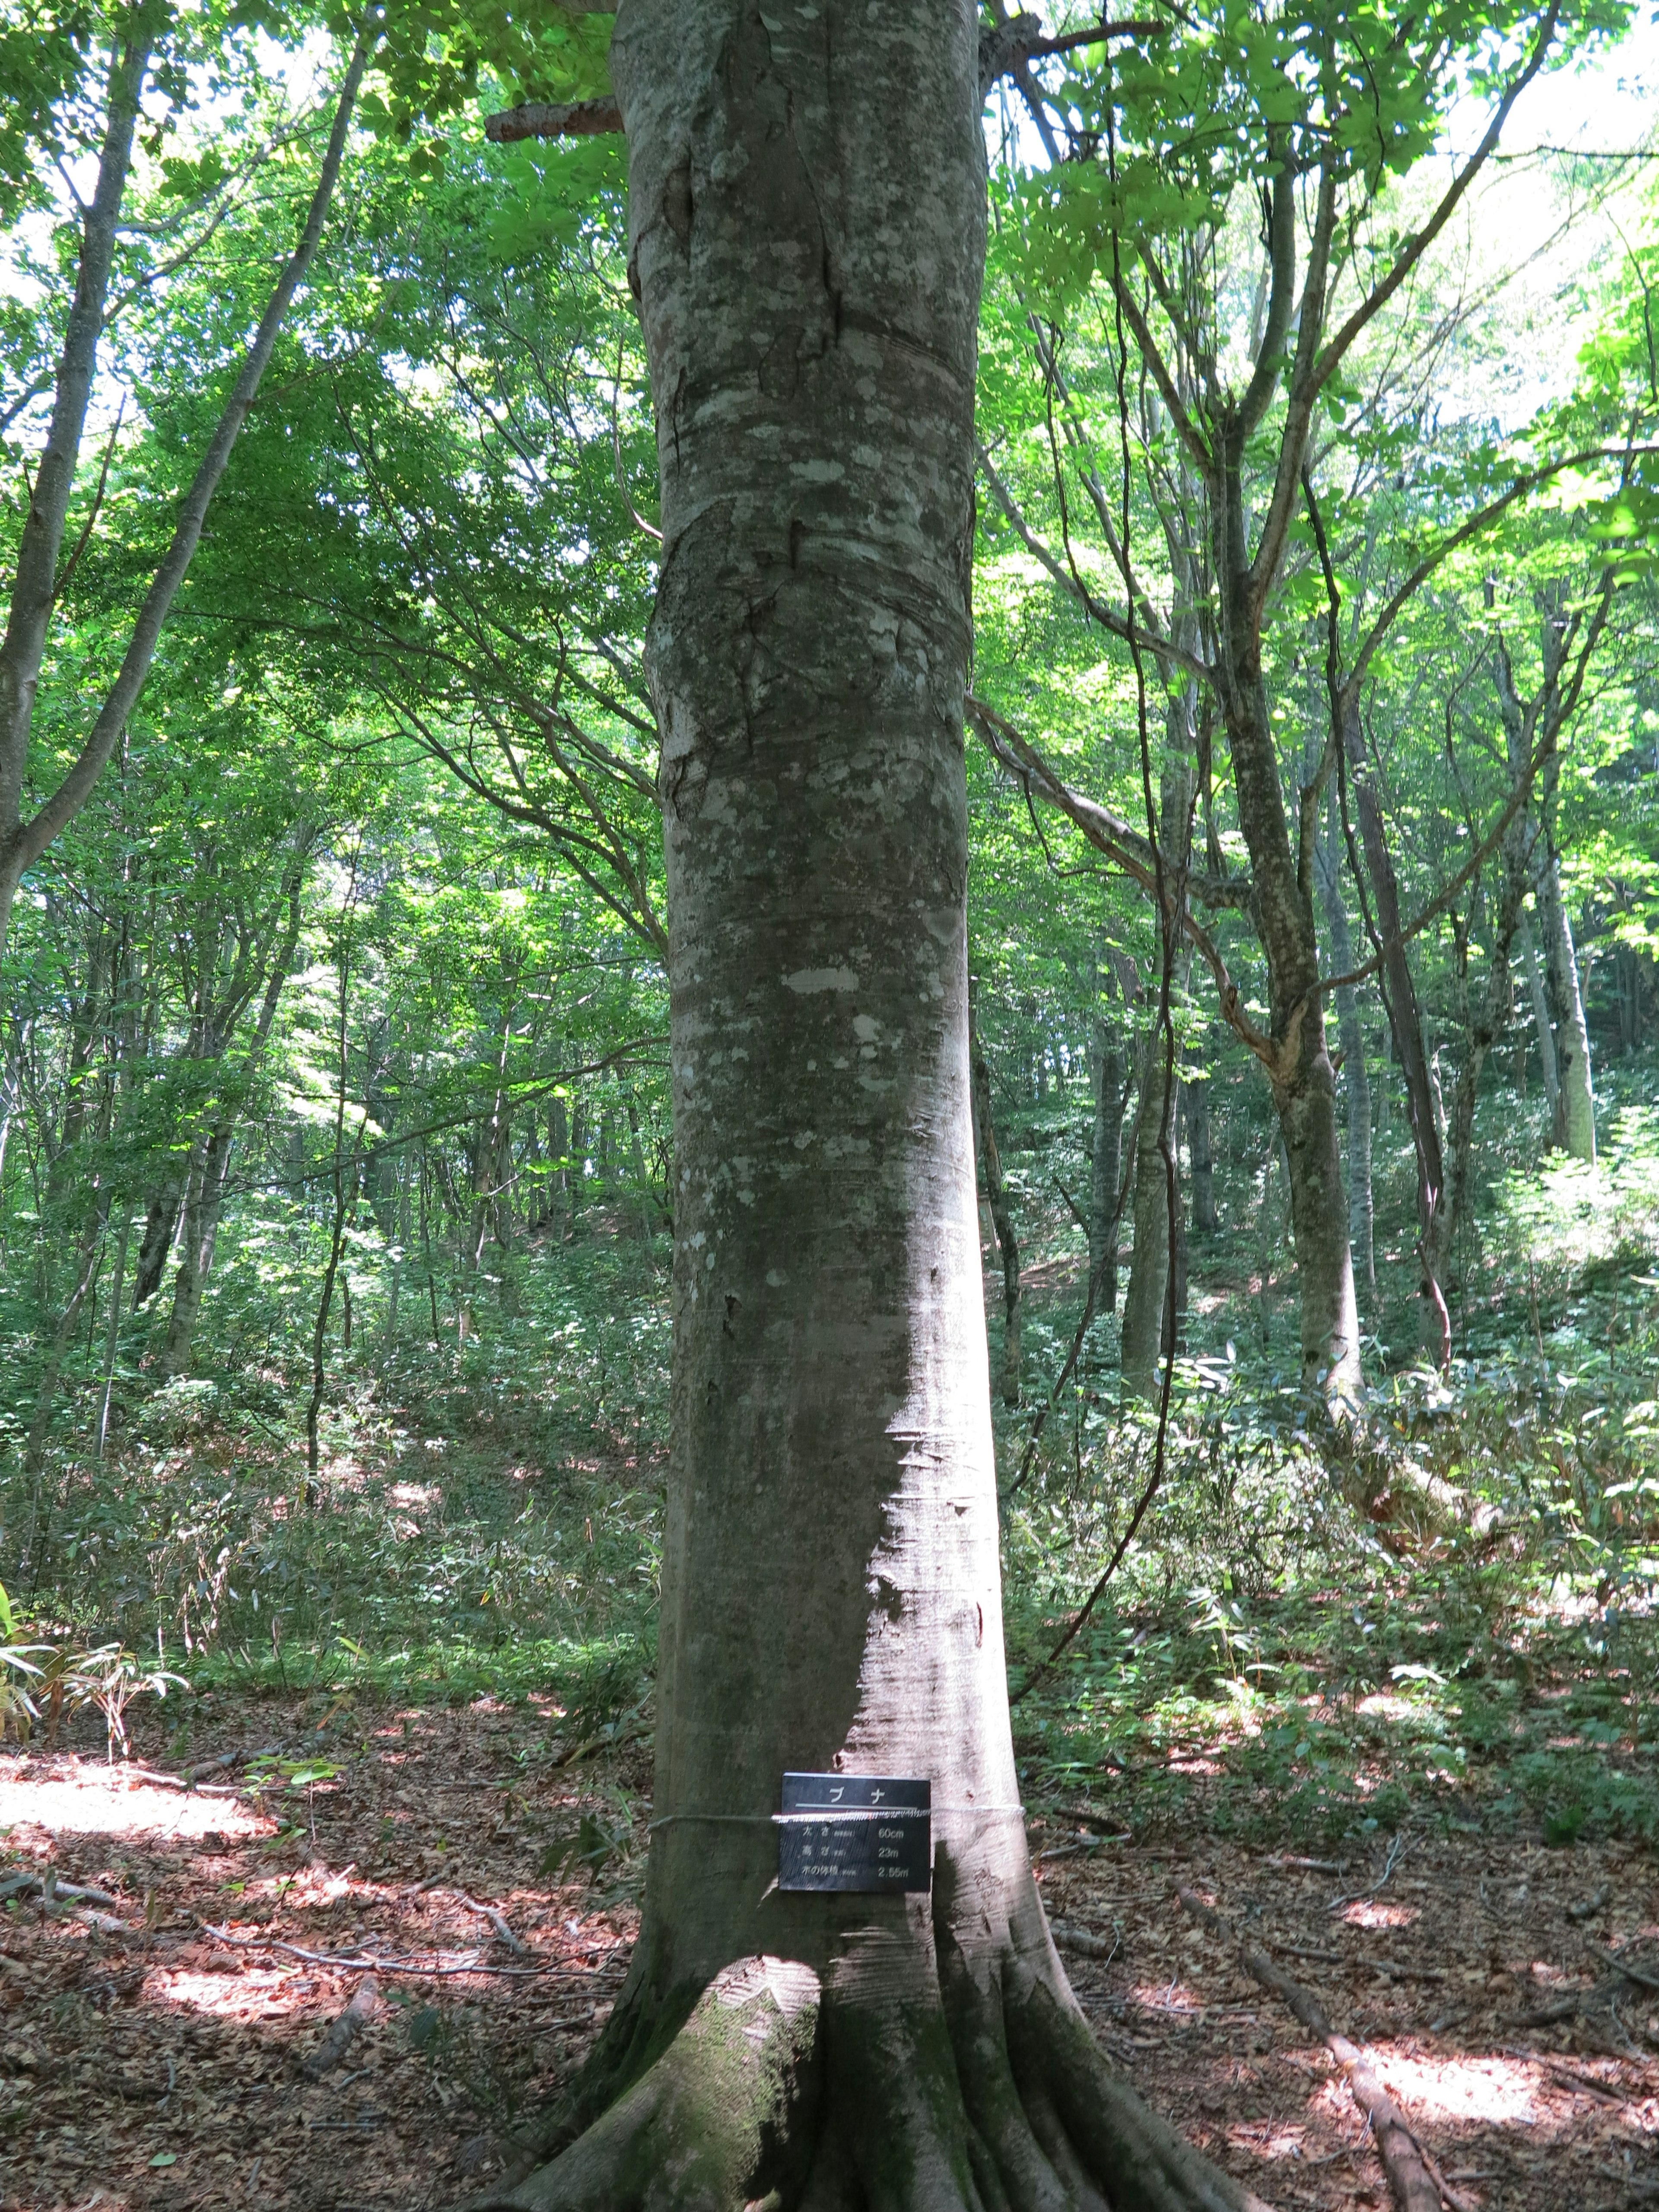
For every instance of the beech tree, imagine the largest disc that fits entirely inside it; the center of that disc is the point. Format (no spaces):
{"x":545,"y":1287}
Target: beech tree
{"x":806,"y":222}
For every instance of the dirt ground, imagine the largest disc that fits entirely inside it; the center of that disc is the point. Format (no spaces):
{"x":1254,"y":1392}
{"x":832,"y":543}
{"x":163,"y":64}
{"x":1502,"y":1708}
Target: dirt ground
{"x":154,"y":2041}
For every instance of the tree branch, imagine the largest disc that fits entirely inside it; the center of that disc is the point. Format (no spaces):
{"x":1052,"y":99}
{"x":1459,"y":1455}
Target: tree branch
{"x":539,"y":118}
{"x":1481,"y":519}
{"x":1113,"y":624}
{"x":1331,"y":358}
{"x":1126,"y":849}
{"x":1281,"y":295}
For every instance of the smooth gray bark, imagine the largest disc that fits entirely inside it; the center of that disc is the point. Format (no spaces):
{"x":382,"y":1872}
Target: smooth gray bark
{"x":806,"y":218}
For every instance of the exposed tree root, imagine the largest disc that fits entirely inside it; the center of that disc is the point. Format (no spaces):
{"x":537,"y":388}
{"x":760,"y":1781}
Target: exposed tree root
{"x":930,"y":2068}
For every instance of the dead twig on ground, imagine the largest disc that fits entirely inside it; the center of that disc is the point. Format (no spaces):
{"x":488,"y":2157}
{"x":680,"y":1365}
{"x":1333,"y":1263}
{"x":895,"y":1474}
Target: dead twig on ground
{"x":1081,"y":1942}
{"x":54,"y":1892}
{"x":497,"y":1921}
{"x":334,"y":2046}
{"x":1414,"y":2183}
{"x":1396,"y":1852}
{"x":378,"y":1966}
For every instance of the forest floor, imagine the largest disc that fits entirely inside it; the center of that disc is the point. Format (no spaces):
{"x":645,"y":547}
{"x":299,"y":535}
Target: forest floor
{"x":153,"y":2044}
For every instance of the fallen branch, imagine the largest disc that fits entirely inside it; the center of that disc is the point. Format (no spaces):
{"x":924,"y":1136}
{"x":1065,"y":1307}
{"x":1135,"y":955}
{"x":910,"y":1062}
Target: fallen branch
{"x":1395,"y":1852}
{"x":54,"y":1892}
{"x":604,"y":1741}
{"x":1584,"y":2085}
{"x":1080,"y":1942}
{"x":334,"y":2046}
{"x":497,"y":1921}
{"x":385,"y":1966}
{"x":1103,"y":1824}
{"x":1405,"y":2161}
{"x":190,"y":1778}
{"x":1089,"y":1844}
{"x":1620,"y":1964}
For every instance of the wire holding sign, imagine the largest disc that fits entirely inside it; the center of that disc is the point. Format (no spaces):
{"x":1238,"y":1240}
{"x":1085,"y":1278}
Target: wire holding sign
{"x":869,"y":1832}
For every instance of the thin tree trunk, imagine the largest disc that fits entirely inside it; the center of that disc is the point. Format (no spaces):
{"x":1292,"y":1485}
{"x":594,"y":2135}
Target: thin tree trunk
{"x":113,"y":1336}
{"x":426,"y":1250}
{"x":558,"y":1148}
{"x":1147,"y":1331}
{"x":1200,"y":1142}
{"x":62,"y":1336}
{"x":337,"y":1232}
{"x":1147,"y":1295}
{"x":209,"y":1172}
{"x":1575,"y":1102}
{"x":1002,"y":1217}
{"x":1423,"y":1111}
{"x":641,"y":1181}
{"x":35,"y":580}
{"x":1356,"y":1082}
{"x":401,"y":1218}
{"x":578,"y":1185}
{"x":1302,"y":1081}
{"x":1105,"y":1159}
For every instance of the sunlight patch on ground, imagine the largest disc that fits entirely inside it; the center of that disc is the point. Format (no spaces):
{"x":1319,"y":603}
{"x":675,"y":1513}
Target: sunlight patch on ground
{"x":1366,"y":1912}
{"x":412,"y":1496}
{"x":235,"y":1993}
{"x":1500,"y":2091}
{"x":93,"y":1800}
{"x":1382,"y":1706}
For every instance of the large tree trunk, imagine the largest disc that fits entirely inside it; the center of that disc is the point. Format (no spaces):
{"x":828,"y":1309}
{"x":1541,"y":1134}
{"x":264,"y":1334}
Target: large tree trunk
{"x":807,"y":216}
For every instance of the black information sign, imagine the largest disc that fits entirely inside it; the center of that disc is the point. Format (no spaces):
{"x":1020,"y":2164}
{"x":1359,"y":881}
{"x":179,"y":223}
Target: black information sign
{"x":859,"y":1832}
